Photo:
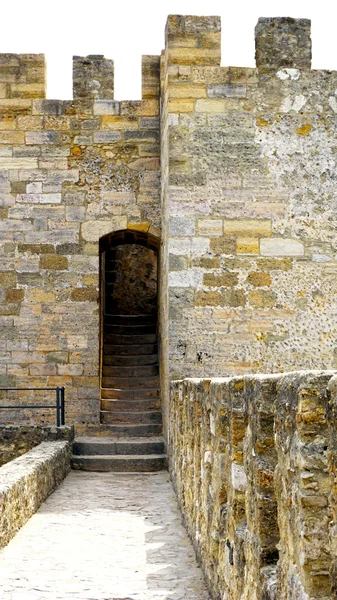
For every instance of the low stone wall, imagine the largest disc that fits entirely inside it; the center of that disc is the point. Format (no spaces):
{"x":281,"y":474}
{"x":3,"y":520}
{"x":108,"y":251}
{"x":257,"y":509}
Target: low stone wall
{"x":253,"y":461}
{"x":27,"y":481}
{"x":16,"y":440}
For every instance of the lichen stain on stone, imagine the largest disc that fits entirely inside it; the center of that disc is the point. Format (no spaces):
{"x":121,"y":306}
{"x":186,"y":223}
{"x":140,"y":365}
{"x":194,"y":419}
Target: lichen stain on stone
{"x":261,"y":122}
{"x":304,"y":130}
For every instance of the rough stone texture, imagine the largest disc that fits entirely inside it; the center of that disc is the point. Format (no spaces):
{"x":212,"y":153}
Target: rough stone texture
{"x":133,"y":278}
{"x":104,"y":536}
{"x":235,"y":166}
{"x":70,"y":172}
{"x":16,"y":440}
{"x":27,"y":481}
{"x":250,"y":460}
{"x":250,"y":184}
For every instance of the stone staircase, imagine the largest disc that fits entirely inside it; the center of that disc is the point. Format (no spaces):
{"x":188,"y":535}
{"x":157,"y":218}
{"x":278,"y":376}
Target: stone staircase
{"x":130,"y":403}
{"x":129,"y":454}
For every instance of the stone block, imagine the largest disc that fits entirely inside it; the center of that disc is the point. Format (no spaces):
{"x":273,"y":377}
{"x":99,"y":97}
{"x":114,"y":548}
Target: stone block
{"x":182,"y":227}
{"x":226,"y":91}
{"x":281,"y":247}
{"x":247,"y":245}
{"x":53,"y":262}
{"x":218,"y":280}
{"x":87,"y":294}
{"x":210,"y":227}
{"x":248,"y":228}
{"x":207,"y":298}
{"x":93,"y":230}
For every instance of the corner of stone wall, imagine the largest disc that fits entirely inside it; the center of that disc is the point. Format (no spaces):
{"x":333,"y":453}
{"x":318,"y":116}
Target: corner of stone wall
{"x":282,"y":42}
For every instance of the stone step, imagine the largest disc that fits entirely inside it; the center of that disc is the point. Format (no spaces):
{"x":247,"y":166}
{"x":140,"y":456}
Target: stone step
{"x":110,"y":338}
{"x":112,"y":404}
{"x":143,"y":463}
{"x":132,"y":417}
{"x":130,"y":383}
{"x":131,"y":360}
{"x":130,"y":319}
{"x":125,"y":371}
{"x":135,"y":394}
{"x":130,"y":350}
{"x":129,"y":329}
{"x":122,"y":430}
{"x":120,"y":446}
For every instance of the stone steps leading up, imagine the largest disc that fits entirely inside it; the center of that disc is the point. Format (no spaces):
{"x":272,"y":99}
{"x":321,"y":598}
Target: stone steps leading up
{"x":120,"y":455}
{"x":130,"y":372}
{"x":120,"y":464}
{"x":120,"y":446}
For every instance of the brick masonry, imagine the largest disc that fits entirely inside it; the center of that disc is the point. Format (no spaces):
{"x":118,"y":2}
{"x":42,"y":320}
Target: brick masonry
{"x":253,"y":464}
{"x":234,"y":168}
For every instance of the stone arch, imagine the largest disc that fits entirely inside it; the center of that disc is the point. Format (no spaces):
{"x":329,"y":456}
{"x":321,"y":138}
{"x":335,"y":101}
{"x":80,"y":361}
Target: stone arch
{"x":129,"y":261}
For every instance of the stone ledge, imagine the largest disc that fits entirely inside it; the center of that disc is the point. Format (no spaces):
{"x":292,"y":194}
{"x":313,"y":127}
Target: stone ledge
{"x":27,"y":481}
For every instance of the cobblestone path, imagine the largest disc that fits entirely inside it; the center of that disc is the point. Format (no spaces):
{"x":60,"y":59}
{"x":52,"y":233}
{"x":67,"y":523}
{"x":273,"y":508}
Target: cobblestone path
{"x":104,"y":536}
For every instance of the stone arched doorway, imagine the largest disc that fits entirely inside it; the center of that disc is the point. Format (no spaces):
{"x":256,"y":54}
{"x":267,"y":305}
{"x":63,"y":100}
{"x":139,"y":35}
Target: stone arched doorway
{"x":129,"y":375}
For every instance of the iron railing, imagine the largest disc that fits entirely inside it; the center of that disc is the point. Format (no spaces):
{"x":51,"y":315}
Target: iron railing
{"x":59,"y":405}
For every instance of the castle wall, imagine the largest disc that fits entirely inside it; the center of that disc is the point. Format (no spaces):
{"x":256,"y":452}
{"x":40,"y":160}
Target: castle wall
{"x":70,"y":172}
{"x":251,"y":200}
{"x":252,"y":461}
{"x":239,"y":174}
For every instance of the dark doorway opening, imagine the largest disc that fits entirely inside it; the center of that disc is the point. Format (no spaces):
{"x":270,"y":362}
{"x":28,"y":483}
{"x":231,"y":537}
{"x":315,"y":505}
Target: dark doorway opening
{"x":129,"y":341}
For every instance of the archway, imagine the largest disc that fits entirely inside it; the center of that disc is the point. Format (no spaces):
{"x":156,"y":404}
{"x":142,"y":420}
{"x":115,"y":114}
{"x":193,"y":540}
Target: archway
{"x":129,"y":342}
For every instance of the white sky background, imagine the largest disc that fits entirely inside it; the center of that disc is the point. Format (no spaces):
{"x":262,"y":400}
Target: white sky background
{"x":125,"y":29}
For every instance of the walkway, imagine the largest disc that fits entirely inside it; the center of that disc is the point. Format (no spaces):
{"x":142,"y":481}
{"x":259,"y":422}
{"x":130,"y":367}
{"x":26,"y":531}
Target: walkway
{"x":104,"y":536}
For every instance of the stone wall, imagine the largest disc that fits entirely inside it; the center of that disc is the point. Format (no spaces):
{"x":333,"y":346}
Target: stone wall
{"x":253,"y":463}
{"x":17,"y":440}
{"x":251,"y":197}
{"x":70,"y":172}
{"x":27,"y":481}
{"x":236,"y":167}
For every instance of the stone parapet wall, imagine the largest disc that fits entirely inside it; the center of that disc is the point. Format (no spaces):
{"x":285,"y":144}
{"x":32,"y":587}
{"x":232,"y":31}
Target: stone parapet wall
{"x":27,"y":481}
{"x":16,"y":440}
{"x":253,"y":464}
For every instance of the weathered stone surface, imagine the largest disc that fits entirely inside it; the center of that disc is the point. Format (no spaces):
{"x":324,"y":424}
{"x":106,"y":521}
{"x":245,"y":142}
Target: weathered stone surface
{"x":27,"y":481}
{"x":17,"y":440}
{"x":250,"y":459}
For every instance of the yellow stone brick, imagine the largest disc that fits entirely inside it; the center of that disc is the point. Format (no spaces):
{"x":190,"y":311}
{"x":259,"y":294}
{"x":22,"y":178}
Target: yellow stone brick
{"x":149,"y":108}
{"x":259,"y":279}
{"x":116,"y":122}
{"x":7,"y":123}
{"x":3,"y":90}
{"x":247,"y":245}
{"x":12,"y":137}
{"x":30,"y":123}
{"x":91,"y":279}
{"x":210,"y":106}
{"x":39,"y":295}
{"x":208,"y":298}
{"x":194,"y":56}
{"x":248,"y":228}
{"x":183,"y":41}
{"x":187,"y":91}
{"x":181,"y":106}
{"x":28,"y":90}
{"x":143,"y":226}
{"x":11,"y":106}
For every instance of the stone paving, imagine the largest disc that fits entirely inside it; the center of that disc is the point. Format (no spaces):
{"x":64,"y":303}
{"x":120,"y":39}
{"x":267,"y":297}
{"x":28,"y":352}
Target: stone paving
{"x":104,"y":536}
